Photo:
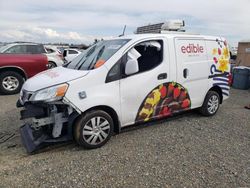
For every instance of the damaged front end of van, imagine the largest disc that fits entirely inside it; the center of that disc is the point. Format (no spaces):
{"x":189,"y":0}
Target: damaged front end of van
{"x":47,"y":116}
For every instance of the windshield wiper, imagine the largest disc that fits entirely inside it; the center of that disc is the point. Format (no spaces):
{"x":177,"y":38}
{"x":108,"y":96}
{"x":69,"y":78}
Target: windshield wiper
{"x":66,"y":64}
{"x":100,"y":52}
{"x":81,"y":64}
{"x":87,"y":55}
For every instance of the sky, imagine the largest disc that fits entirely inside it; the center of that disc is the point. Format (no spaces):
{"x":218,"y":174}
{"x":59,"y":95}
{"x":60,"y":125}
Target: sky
{"x":82,"y":21}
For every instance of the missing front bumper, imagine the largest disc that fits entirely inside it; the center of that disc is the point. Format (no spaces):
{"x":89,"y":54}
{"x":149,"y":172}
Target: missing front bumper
{"x":31,"y":141}
{"x":34,"y":140}
{"x":46,"y":124}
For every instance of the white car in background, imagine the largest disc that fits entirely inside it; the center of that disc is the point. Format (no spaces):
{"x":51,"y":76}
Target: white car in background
{"x":55,"y":57}
{"x":70,"y":54}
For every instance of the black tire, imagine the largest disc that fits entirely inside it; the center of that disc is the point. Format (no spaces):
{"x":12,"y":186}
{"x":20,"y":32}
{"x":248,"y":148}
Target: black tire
{"x":51,"y":65}
{"x":84,"y":124}
{"x":211,"y":104}
{"x":17,"y":80}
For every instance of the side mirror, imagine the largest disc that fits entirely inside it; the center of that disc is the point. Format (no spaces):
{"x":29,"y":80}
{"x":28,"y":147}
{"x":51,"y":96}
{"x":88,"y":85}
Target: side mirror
{"x":131,"y":67}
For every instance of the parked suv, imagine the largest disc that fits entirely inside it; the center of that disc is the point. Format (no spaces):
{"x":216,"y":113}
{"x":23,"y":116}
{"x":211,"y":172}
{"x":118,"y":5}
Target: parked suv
{"x":54,"y":60}
{"x":16,"y":65}
{"x":23,"y":48}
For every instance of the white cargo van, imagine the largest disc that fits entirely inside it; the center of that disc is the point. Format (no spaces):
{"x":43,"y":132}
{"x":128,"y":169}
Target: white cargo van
{"x":121,"y":82}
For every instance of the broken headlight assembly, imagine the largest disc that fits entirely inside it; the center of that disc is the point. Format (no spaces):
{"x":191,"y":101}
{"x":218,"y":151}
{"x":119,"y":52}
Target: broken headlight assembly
{"x":50,"y":94}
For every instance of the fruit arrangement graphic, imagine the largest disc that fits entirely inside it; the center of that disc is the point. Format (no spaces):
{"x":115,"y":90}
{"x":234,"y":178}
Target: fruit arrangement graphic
{"x":220,"y":68}
{"x":164,"y":100}
{"x":221,"y":56}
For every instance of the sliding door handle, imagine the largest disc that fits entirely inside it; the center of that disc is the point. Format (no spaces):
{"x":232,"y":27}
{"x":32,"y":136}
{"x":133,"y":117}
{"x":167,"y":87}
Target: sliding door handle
{"x":185,"y":73}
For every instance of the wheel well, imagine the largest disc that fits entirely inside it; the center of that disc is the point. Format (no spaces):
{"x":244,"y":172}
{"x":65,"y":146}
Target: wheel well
{"x":219,"y":91}
{"x":14,"y":69}
{"x":112,"y":113}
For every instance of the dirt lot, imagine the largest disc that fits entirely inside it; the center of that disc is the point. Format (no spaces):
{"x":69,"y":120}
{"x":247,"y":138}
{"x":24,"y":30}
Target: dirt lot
{"x":186,"y":151}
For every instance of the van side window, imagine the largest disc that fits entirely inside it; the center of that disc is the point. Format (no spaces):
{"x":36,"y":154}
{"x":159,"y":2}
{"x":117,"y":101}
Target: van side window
{"x":151,"y":54}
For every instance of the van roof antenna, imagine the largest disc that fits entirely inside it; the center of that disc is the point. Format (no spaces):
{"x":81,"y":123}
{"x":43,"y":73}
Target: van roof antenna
{"x":123,"y":32}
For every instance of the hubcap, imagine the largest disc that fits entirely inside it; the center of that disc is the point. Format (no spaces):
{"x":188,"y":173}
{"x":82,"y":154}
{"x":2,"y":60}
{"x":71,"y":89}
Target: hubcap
{"x":213,"y":104}
{"x":10,"y":83}
{"x":96,"y":130}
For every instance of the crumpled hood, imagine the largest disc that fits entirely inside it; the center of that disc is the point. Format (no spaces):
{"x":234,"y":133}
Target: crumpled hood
{"x":52,"y":77}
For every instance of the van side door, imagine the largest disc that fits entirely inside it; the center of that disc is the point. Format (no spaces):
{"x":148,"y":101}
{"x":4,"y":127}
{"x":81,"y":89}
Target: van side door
{"x":192,"y":68}
{"x":142,"y":92}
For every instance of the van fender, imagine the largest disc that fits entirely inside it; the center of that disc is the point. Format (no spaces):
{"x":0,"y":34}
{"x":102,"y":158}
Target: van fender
{"x":100,"y":104}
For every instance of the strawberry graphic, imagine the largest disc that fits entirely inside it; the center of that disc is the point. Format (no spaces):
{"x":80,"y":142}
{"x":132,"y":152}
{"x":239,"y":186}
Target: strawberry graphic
{"x":165,"y":111}
{"x":177,"y":92}
{"x":166,"y":99}
{"x":183,"y":95}
{"x":185,"y":103}
{"x":170,"y":89}
{"x":215,"y":60}
{"x":163,"y":91}
{"x":219,"y":51}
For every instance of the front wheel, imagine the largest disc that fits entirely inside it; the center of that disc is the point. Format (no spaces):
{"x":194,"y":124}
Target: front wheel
{"x":211,"y":104}
{"x":93,"y":129}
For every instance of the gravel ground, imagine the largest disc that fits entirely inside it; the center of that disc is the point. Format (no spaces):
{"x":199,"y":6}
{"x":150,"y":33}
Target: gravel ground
{"x":185,"y":151}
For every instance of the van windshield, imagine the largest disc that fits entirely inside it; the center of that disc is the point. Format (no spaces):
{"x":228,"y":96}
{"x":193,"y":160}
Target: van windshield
{"x":99,"y":52}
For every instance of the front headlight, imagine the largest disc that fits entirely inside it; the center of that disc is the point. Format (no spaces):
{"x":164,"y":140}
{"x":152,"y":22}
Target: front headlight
{"x":54,"y":93}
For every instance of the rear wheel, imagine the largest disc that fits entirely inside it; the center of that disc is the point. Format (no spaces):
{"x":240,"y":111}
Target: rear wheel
{"x":10,"y":82}
{"x":211,"y":104}
{"x":51,"y":65}
{"x":94,"y":129}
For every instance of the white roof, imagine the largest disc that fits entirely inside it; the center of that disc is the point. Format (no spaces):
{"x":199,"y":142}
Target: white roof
{"x":168,"y":35}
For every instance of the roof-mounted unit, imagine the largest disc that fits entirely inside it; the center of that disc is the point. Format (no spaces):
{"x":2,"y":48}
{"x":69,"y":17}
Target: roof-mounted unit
{"x":172,"y":25}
